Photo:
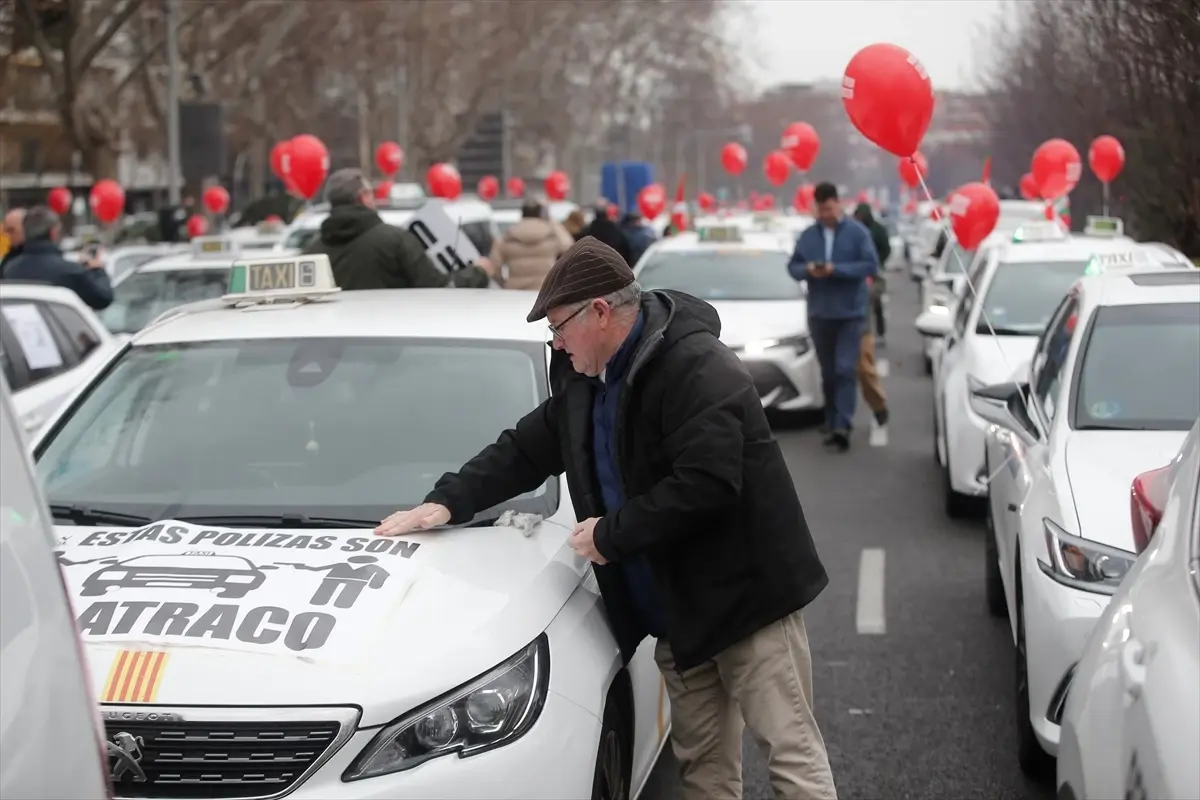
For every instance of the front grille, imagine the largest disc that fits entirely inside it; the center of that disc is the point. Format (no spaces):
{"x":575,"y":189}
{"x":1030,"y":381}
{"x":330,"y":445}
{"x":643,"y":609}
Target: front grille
{"x":768,"y":377}
{"x":224,"y":755}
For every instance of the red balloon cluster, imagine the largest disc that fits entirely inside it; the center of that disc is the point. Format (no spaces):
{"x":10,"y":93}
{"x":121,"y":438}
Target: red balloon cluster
{"x":59,"y":200}
{"x":888,"y":97}
{"x":801,"y":144}
{"x":107,"y":201}
{"x":196,"y":226}
{"x":216,"y":199}
{"x":733,"y":158}
{"x":974,"y":211}
{"x":558,"y":185}
{"x":707,"y":202}
{"x":652,"y":200}
{"x":1029,"y":187}
{"x":488,"y":187}
{"x":389,"y":157}
{"x":1056,"y":168}
{"x":444,"y":181}
{"x":1106,"y":157}
{"x":302,"y":164}
{"x":777,"y":166}
{"x":913,"y":170}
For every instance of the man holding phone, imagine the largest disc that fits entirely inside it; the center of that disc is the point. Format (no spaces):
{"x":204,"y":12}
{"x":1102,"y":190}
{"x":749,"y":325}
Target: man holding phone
{"x":835,"y":257}
{"x":43,"y":261}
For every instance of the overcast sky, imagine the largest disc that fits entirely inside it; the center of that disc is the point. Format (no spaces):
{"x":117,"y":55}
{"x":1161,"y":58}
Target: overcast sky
{"x":807,"y":40}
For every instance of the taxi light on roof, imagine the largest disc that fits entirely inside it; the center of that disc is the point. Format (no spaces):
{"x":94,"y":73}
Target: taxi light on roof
{"x":1100,"y":263}
{"x":721,"y":233}
{"x":271,"y":279}
{"x":1039,"y":232}
{"x":209,"y":246}
{"x":1104,"y":226}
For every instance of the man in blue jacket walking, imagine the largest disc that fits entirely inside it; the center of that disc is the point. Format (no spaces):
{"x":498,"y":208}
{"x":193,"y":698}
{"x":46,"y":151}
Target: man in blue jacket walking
{"x":835,"y":257}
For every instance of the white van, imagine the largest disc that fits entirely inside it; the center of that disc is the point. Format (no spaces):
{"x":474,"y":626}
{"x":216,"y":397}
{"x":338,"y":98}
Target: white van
{"x":50,"y":730}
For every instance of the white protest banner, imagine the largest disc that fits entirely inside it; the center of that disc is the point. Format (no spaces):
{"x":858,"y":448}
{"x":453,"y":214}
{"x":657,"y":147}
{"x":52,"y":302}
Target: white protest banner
{"x":324,"y":597}
{"x":33,"y":334}
{"x":447,"y":245}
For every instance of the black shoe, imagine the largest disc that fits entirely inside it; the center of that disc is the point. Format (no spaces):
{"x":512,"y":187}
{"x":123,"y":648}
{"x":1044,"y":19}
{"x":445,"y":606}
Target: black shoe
{"x":881,"y":416}
{"x":840,"y":440}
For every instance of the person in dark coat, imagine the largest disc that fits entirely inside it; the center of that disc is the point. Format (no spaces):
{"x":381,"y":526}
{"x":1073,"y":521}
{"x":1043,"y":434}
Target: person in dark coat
{"x":883,"y":247}
{"x":41,"y":260}
{"x":367,"y":253}
{"x":639,"y":235}
{"x":605,"y":230}
{"x":685,"y":507}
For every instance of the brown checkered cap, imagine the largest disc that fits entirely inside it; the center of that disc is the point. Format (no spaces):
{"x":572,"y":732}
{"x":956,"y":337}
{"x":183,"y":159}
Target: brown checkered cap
{"x":589,"y":269}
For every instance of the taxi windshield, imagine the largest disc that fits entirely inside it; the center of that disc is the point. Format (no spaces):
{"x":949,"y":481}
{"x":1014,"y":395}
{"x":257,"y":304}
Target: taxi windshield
{"x":1120,"y":388}
{"x":140,"y":298}
{"x":1022,"y":297}
{"x":339,"y":428}
{"x":732,"y":274}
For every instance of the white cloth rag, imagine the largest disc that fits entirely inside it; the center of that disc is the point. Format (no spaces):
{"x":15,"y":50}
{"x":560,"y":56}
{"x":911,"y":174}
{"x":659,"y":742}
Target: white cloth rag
{"x":522,"y":521}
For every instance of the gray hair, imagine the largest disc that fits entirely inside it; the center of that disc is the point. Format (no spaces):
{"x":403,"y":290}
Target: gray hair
{"x":39,"y":223}
{"x":630,"y":295}
{"x":344,"y":187}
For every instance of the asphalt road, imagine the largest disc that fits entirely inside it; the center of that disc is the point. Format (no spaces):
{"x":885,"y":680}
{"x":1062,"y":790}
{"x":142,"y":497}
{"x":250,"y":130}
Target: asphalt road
{"x":925,"y":709}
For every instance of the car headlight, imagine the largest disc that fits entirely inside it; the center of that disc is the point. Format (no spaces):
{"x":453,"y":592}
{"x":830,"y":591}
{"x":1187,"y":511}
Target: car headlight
{"x":491,"y":711}
{"x":1081,"y":564}
{"x":801,"y":344}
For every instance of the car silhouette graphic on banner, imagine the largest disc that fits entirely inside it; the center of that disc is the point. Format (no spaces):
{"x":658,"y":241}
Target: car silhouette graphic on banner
{"x":231,"y":577}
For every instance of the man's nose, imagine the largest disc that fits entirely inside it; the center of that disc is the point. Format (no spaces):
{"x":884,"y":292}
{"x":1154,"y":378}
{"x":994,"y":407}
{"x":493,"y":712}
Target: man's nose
{"x":558,"y":343}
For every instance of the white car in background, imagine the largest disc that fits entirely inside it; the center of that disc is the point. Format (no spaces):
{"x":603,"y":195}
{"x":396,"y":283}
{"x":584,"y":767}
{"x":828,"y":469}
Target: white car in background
{"x":995,"y":329}
{"x":124,"y":258}
{"x":50,"y":342}
{"x":763,"y":310}
{"x":1131,"y":727}
{"x":1111,"y":391}
{"x":224,"y":473}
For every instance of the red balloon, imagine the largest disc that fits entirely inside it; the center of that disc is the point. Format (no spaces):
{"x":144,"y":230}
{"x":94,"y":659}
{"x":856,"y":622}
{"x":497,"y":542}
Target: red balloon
{"x":706,"y":201}
{"x":764,"y":202}
{"x":888,"y":97}
{"x":974,"y":210}
{"x":776,"y":167}
{"x":59,"y":200}
{"x":558,"y":185}
{"x":306,"y":163}
{"x":515,"y":187}
{"x":389,"y":158}
{"x":107,"y":200}
{"x":1029,"y":187}
{"x":612,"y":212}
{"x":1056,"y":168}
{"x":216,"y":199}
{"x":278,"y":160}
{"x":1106,"y":157}
{"x":444,"y":181}
{"x":652,"y":200}
{"x":383,"y":190}
{"x":196,"y":226}
{"x":803,"y":199}
{"x":488,"y":187}
{"x":274,"y":218}
{"x":1048,"y":211}
{"x":912,"y":173}
{"x":733,"y":158}
{"x":801,"y":143}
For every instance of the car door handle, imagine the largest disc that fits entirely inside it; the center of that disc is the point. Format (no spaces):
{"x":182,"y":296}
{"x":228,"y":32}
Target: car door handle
{"x":1133,"y":666}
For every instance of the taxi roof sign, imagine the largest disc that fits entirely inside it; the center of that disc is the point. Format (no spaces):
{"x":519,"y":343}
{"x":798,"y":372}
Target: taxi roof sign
{"x":266,"y":280}
{"x":211,"y":246}
{"x":721,"y":233}
{"x":1134,"y":258}
{"x":269,"y":226}
{"x":1048,"y":231}
{"x":1104,"y":226}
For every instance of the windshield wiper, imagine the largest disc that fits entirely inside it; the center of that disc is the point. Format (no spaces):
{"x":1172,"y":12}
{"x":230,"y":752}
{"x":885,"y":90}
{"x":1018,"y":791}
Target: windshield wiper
{"x":279,"y":521}
{"x":81,"y":514}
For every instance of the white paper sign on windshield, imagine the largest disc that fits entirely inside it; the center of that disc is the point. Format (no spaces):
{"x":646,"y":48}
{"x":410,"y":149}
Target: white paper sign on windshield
{"x":446,"y":244}
{"x":323,"y":597}
{"x":31,"y":330}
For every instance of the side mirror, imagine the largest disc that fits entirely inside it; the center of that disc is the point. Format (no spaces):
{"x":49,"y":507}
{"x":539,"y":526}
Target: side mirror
{"x":1003,"y":404}
{"x":934,"y":323}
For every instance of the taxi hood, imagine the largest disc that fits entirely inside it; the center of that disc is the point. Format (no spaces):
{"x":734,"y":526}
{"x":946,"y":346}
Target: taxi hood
{"x":257,"y":617}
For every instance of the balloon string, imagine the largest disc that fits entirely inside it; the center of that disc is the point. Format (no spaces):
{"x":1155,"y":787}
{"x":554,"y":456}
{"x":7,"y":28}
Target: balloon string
{"x":944,"y":219}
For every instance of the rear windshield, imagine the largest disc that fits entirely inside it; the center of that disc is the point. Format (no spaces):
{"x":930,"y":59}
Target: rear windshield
{"x":1140,"y":369}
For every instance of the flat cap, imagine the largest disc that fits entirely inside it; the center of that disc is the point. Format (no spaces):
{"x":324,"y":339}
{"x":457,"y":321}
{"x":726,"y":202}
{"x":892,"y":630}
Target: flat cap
{"x":590,"y":268}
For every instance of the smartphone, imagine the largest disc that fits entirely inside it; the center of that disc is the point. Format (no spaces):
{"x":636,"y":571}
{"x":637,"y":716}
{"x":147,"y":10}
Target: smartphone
{"x":91,"y":251}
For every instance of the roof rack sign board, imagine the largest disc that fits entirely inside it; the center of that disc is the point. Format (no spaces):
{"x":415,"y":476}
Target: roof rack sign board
{"x":268,"y":279}
{"x":721,"y":233}
{"x":1104,"y":226}
{"x":213,"y":246}
{"x":448,"y":247}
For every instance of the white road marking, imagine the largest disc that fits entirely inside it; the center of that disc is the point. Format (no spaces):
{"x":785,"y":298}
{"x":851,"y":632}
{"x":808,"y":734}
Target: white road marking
{"x":869,"y":616}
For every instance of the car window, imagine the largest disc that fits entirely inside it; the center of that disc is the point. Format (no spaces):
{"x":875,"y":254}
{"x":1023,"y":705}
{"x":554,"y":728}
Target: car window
{"x":301,"y":238}
{"x":722,"y":274}
{"x":1140,"y":368}
{"x":1021,"y":297}
{"x":143,"y":296}
{"x":958,"y":260}
{"x":348,"y":428}
{"x":1053,"y":355}
{"x":76,"y":328}
{"x":124,"y":262}
{"x":34,"y":337}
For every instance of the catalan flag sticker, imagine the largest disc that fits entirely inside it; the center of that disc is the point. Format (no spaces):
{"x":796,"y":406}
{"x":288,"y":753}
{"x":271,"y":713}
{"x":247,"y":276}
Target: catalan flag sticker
{"x":135,"y":676}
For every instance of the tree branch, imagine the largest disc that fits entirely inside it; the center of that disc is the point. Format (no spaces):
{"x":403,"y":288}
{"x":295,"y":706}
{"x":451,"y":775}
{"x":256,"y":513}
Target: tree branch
{"x":113,"y":20}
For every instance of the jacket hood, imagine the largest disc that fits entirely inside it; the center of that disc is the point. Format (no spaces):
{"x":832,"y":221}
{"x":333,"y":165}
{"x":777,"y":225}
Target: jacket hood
{"x":683,"y":315}
{"x":530,"y":230}
{"x":863,"y":214}
{"x":346,"y":223}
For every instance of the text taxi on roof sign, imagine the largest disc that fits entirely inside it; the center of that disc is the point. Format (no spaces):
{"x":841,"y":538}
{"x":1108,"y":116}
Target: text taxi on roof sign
{"x":267,"y":280}
{"x":214,"y":247}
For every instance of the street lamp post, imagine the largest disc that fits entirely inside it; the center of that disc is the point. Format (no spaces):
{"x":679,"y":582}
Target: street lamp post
{"x":174,"y":168}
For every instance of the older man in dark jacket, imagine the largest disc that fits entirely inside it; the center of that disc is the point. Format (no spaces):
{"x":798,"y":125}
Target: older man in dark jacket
{"x":367,"y":253}
{"x":685,"y":507}
{"x":41,"y":260}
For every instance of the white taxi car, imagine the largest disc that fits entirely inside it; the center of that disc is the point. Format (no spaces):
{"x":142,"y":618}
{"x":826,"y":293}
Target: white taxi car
{"x":1112,"y":390}
{"x":1131,"y":727}
{"x":127,"y":257}
{"x":994,"y":329}
{"x":264,"y":236}
{"x":763,"y":310}
{"x":200,"y":273}
{"x":50,"y":342}
{"x":215,"y":490}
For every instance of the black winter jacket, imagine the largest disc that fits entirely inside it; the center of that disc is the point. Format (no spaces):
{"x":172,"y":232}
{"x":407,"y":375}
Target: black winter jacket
{"x":711,"y":502}
{"x":367,"y":253}
{"x":43,"y":261}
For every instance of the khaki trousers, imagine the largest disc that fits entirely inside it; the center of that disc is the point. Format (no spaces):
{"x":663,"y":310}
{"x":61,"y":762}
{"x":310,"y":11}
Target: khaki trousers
{"x":868,"y":376}
{"x":763,"y":682}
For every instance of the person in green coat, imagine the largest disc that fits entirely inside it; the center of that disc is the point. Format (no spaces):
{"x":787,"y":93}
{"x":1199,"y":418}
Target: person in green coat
{"x":883,"y":247}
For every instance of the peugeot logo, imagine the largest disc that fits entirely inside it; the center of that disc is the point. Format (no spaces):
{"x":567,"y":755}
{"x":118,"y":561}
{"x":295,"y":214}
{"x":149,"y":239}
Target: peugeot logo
{"x":125,"y":757}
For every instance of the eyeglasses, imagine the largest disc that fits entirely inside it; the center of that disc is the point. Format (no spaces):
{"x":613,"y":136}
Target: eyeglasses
{"x":558,"y":329}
